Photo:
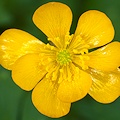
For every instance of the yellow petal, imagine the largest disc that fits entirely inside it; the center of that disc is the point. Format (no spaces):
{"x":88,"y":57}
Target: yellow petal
{"x":106,"y":58}
{"x":15,"y":43}
{"x":27,"y":71}
{"x":53,"y":19}
{"x":95,"y":28}
{"x":45,"y":99}
{"x":75,"y":87}
{"x":106,"y":85}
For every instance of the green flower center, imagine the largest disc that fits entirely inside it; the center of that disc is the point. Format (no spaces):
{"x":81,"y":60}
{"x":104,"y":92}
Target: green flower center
{"x":63,"y":57}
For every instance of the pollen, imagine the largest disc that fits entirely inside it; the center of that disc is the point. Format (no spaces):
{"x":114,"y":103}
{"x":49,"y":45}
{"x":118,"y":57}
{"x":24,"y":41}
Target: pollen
{"x":63,"y":57}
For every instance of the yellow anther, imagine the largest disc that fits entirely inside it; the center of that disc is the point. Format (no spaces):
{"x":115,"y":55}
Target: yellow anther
{"x":48,"y":75}
{"x":82,"y":52}
{"x":67,"y":43}
{"x":81,"y":57}
{"x":47,"y":45}
{"x":87,"y":57}
{"x":54,"y":75}
{"x":50,"y":66}
{"x":60,"y":79}
{"x":57,"y":39}
{"x":49,"y":59}
{"x":61,"y":70}
{"x":77,"y":69}
{"x":81,"y":61}
{"x":84,"y":67}
{"x":85,"y":50}
{"x":69,"y":74}
{"x":86,"y":46}
{"x":78,"y":38}
{"x":49,"y":39}
{"x":75,"y":51}
{"x":43,"y":63}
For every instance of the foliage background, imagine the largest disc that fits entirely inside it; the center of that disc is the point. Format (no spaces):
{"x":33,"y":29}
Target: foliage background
{"x":15,"y":104}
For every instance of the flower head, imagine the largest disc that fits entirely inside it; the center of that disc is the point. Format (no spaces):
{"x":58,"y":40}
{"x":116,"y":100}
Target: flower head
{"x":64,"y":70}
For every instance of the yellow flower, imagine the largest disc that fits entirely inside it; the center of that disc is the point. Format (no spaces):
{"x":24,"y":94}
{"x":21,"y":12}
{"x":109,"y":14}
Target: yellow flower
{"x":64,"y":70}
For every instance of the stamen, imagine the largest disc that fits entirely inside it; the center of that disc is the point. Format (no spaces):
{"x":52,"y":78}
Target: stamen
{"x":58,"y":58}
{"x":80,"y":58}
{"x":83,"y":65}
{"x":69,"y":74}
{"x":51,"y":43}
{"x":76,"y":41}
{"x":53,"y":73}
{"x":49,"y":47}
{"x":80,"y":52}
{"x":68,"y":39}
{"x":51,"y":66}
{"x":60,"y":76}
{"x":84,"y":51}
{"x":56,"y":41}
{"x":75,"y":72}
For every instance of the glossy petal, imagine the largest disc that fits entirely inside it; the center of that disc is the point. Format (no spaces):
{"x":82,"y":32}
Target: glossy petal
{"x":45,"y":99}
{"x":27,"y":71}
{"x":15,"y":43}
{"x":106,"y":86}
{"x":95,"y":28}
{"x":53,"y":19}
{"x":75,"y":87}
{"x":106,"y":58}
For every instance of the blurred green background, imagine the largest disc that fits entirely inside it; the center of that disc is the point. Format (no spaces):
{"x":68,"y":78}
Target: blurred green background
{"x":15,"y":104}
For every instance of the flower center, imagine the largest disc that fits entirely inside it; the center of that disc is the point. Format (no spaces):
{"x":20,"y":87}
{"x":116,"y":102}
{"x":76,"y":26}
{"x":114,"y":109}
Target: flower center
{"x":63,"y":57}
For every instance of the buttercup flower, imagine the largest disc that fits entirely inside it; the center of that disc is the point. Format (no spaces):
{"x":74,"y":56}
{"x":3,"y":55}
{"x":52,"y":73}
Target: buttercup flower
{"x":66,"y":69}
